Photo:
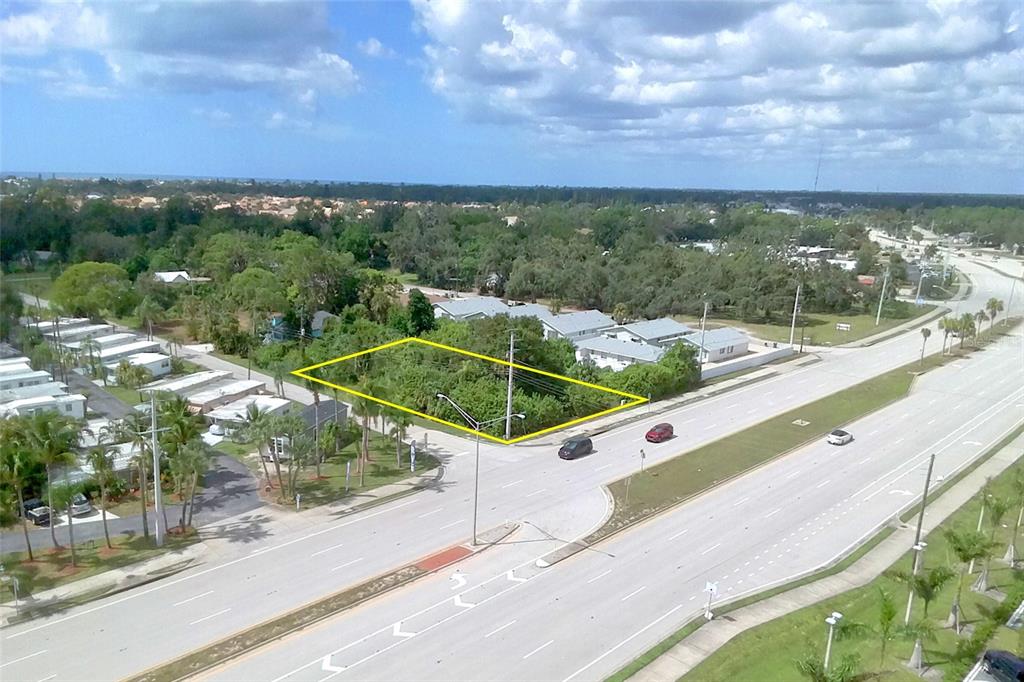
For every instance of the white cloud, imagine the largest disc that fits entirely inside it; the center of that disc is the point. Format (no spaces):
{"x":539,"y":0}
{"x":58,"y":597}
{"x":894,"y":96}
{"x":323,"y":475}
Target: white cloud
{"x":372,"y":47}
{"x":196,"y":46}
{"x":713,"y":79}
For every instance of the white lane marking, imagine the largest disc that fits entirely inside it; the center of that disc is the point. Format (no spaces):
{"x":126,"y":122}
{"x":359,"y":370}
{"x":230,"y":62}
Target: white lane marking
{"x":511,"y":575}
{"x":871,"y":433}
{"x":739,"y":502}
{"x":898,"y":441}
{"x":712,"y":547}
{"x":823,"y":483}
{"x":509,"y":485}
{"x":459,"y":578}
{"x":598,"y":577}
{"x":625,"y":641}
{"x":542,"y":646}
{"x":360,"y":518}
{"x":710,"y":426}
{"x":795,"y":473}
{"x":453,"y":523}
{"x":682,"y":532}
{"x":688,"y":421}
{"x":634,"y":593}
{"x":601,"y":468}
{"x":494,"y":632}
{"x":198,"y":596}
{"x":325,"y":550}
{"x":460,"y":454}
{"x":18,"y":660}
{"x":538,"y":492}
{"x":733,"y":406}
{"x":930,"y":422}
{"x":212,"y":615}
{"x":864,"y":461}
{"x":48,"y":677}
{"x":397,"y":631}
{"x":348,"y":563}
{"x":772,"y":513}
{"x":430,"y":513}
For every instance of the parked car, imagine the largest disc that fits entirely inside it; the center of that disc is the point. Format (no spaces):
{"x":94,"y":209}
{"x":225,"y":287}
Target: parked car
{"x":659,"y":433}
{"x":80,"y":505}
{"x":1003,"y":666}
{"x":39,"y":516}
{"x":29,"y":505}
{"x":577,"y":446}
{"x":839,"y":437}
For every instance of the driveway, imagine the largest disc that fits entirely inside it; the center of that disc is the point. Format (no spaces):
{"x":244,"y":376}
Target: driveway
{"x":99,"y":400}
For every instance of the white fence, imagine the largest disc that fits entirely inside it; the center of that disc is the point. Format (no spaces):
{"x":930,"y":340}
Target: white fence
{"x":752,"y":360}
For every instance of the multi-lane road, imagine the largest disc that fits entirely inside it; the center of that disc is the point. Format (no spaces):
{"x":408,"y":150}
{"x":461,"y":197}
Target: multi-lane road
{"x":587,"y":615}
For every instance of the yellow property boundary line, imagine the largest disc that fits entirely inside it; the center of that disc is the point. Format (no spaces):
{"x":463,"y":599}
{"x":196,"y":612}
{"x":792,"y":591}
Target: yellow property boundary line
{"x":634,"y":400}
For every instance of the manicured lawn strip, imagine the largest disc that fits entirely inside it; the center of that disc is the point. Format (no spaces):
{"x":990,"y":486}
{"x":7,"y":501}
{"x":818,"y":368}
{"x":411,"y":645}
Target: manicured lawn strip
{"x":671,"y":482}
{"x":32,"y":283}
{"x":52,"y":567}
{"x":768,"y":652}
{"x":128,"y":396}
{"x":820,"y":328}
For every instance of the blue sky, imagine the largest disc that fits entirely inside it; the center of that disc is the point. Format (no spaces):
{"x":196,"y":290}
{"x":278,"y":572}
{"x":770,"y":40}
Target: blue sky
{"x":901,"y":97}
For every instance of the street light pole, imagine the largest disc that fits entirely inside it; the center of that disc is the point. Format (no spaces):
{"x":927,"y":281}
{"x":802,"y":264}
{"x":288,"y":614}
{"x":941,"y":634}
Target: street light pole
{"x":796,"y":308}
{"x":832,"y":621}
{"x":477,"y":427}
{"x":703,"y":325}
{"x":881,"y":298}
{"x":157,"y":493}
{"x":508,"y":399}
{"x":918,"y":550}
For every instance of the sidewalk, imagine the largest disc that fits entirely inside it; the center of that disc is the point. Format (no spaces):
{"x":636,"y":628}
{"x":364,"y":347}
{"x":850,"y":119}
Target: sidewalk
{"x":685,"y":655}
{"x":218,"y":541}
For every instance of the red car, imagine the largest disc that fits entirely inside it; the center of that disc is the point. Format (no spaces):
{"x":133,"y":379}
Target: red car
{"x":659,"y":433}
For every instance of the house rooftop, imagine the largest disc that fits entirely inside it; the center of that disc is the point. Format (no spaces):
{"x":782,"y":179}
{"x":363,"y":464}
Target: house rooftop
{"x":585,"y":320}
{"x":477,"y":305}
{"x":216,"y":391}
{"x":48,"y":388}
{"x":718,"y":338}
{"x":128,"y":349}
{"x":661,"y":328}
{"x":186,"y":382}
{"x":630,"y":350}
{"x":530,"y":310}
{"x":236,"y":410}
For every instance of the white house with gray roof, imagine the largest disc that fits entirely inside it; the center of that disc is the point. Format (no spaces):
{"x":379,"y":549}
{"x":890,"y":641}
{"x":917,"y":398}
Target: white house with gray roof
{"x":719,"y":344}
{"x":470,"y":308}
{"x":662,"y":332}
{"x":576,"y":326}
{"x":616,"y":354}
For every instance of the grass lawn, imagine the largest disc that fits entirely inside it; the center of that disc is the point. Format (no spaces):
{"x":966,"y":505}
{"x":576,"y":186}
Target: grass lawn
{"x":52,"y":567}
{"x":128,"y":396}
{"x":769,"y":651}
{"x":819,"y":328}
{"x":34,"y":283}
{"x":382,"y":470}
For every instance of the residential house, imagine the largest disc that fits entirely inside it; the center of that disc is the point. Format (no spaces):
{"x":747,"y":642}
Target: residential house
{"x":114,"y":354}
{"x":172,"y":277}
{"x":314,"y":416}
{"x":186,"y":385}
{"x":616,"y":353}
{"x":662,"y":332}
{"x":233,"y":415}
{"x":101,"y":342}
{"x":575,"y":326}
{"x":719,"y":344}
{"x":23,"y":378}
{"x":470,"y":308}
{"x":69,"y":405}
{"x":49,"y":389}
{"x":157,"y":364}
{"x":49,"y":325}
{"x":78,"y":333}
{"x":530,"y":310}
{"x":223,"y":393}
{"x":320,"y":318}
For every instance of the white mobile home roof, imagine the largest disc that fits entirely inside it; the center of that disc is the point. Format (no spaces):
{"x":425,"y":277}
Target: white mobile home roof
{"x":192,"y":381}
{"x":630,"y":350}
{"x":487,"y":306}
{"x":108,"y":341}
{"x":42,"y":401}
{"x":79,"y":333}
{"x":65,"y":323}
{"x":12,"y":380}
{"x":48,"y":388}
{"x":235,"y":411}
{"x":530,"y":310}
{"x":718,"y":338}
{"x":585,"y":320}
{"x":218,"y":391}
{"x":17,"y":360}
{"x":15,"y":368}
{"x":662,"y":328}
{"x":124,"y":350}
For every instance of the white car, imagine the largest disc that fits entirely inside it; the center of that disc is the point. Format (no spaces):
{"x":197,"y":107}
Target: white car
{"x":839,"y":437}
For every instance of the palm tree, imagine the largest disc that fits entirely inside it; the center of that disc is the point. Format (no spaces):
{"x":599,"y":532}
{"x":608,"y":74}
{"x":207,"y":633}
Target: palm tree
{"x":921,"y":631}
{"x":979,"y":318}
{"x":1018,"y":491}
{"x":16,"y":462}
{"x":968,"y":546}
{"x":843,"y":670}
{"x":52,"y":439}
{"x":925,"y":333}
{"x":400,"y":422}
{"x":994,"y":306}
{"x":315,"y":390}
{"x":132,"y":376}
{"x":300,"y":447}
{"x":64,"y":496}
{"x":997,"y":508}
{"x":100,"y":458}
{"x":366,"y":409}
{"x":187,"y":465}
{"x":92,"y":348}
{"x":148,"y":311}
{"x":926,"y":585}
{"x":947,"y":326}
{"x":256,"y":429}
{"x":620,"y":313}
{"x":133,"y":429}
{"x":887,"y":623}
{"x":965,"y":327}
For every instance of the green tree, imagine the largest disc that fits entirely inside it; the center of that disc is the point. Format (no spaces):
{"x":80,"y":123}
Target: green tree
{"x":90,"y":288}
{"x":968,"y":546}
{"x":400,"y":421}
{"x":997,"y":508}
{"x":888,"y":626}
{"x":16,"y":464}
{"x":132,"y":376}
{"x":846,"y":669}
{"x":925,"y":333}
{"x":63,"y":496}
{"x":101,"y":459}
{"x":52,"y":438}
{"x":965,"y":327}
{"x":257,"y":428}
{"x":187,"y":465}
{"x":149,"y":311}
{"x":421,"y":313}
{"x":994,"y":306}
{"x":258,"y":291}
{"x":133,"y":429}
{"x":1018,"y":497}
{"x":926,"y":585}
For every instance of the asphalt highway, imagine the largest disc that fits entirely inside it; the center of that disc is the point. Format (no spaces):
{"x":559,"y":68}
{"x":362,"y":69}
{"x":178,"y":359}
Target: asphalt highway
{"x":556,"y":501}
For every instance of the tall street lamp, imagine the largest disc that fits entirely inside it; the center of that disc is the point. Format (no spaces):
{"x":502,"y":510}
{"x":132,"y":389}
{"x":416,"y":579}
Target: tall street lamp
{"x":477,"y":427}
{"x":832,"y":621}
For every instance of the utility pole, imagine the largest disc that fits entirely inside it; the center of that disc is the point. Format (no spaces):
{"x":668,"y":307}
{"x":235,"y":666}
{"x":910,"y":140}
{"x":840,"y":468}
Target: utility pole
{"x":157,"y":493}
{"x":881,"y":298}
{"x":703,"y":324}
{"x":918,"y":547}
{"x":508,"y":398}
{"x":796,"y":309}
{"x":920,"y":281}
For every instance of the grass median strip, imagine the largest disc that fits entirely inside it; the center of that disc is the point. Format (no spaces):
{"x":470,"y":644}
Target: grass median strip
{"x":641,"y":496}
